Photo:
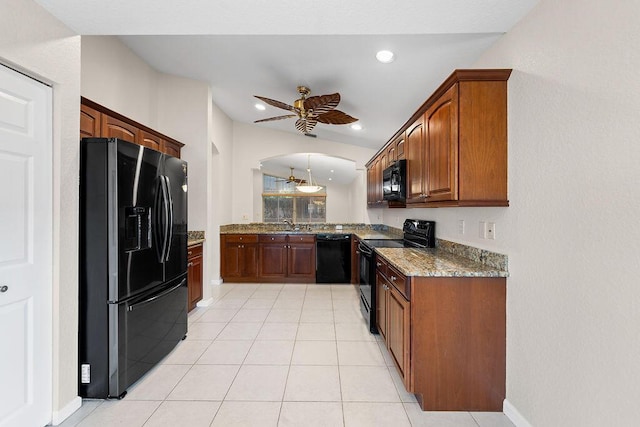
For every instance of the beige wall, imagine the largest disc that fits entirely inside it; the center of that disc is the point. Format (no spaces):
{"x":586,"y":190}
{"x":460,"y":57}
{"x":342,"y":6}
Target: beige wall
{"x":34,"y":42}
{"x":572,"y":231}
{"x":254,"y":143}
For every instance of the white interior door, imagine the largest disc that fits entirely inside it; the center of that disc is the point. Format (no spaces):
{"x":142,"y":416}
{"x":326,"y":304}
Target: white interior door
{"x":26,"y":271}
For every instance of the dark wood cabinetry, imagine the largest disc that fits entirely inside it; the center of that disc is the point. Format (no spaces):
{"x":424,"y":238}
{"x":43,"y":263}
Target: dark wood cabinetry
{"x":393,"y":313}
{"x":287,"y":258}
{"x":456,"y":143}
{"x":446,"y":336}
{"x":374,"y":182}
{"x":268,"y":258}
{"x":239,"y":257}
{"x":194,"y":275}
{"x":98,"y":121}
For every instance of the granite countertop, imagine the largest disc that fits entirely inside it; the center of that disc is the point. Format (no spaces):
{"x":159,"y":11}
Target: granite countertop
{"x":362,"y":231}
{"x":436,"y":263}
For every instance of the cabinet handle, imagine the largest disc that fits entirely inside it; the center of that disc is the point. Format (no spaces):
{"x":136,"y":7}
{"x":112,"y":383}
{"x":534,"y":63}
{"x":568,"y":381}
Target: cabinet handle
{"x":241,"y":238}
{"x":378,"y":264}
{"x":189,"y":253}
{"x":393,"y":278}
{"x":190,"y":264}
{"x":273,"y":238}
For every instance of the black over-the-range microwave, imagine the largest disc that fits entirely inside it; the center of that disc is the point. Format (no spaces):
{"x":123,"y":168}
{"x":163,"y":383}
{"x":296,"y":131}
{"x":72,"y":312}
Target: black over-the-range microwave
{"x":394,"y":181}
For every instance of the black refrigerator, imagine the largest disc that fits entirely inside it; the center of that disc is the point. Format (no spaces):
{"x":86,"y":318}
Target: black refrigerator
{"x":133,"y":263}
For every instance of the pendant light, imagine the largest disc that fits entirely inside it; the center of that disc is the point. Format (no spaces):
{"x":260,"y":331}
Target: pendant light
{"x":310,"y":186}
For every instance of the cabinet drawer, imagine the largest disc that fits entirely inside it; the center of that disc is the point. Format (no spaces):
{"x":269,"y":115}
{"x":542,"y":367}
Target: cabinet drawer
{"x":302,"y":238}
{"x":382,"y":266}
{"x":399,"y":281}
{"x":194,"y":251}
{"x":241,"y":238}
{"x":272,"y":238}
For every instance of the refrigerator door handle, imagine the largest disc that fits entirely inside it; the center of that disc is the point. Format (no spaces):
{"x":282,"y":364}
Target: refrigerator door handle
{"x":167,"y":184}
{"x":155,"y":297}
{"x":166,"y":214}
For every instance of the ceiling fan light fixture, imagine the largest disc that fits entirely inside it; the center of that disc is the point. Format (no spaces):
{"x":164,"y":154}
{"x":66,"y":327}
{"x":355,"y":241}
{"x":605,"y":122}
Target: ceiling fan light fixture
{"x":385,"y":56}
{"x":356,"y":126}
{"x":310,"y":186}
{"x":260,"y":107}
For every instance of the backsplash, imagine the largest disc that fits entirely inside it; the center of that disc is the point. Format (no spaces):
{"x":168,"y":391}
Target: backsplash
{"x":483,"y":256}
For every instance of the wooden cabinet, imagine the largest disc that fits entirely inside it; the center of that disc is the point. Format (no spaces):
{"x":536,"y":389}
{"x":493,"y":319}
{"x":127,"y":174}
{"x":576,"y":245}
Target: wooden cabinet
{"x":393,"y":317}
{"x":287,"y":258}
{"x":456,"y":143}
{"x":415,"y":161}
{"x":98,"y":121}
{"x":194,"y":275}
{"x":239,"y":257}
{"x":374,"y":182}
{"x":446,"y":336}
{"x":90,"y":122}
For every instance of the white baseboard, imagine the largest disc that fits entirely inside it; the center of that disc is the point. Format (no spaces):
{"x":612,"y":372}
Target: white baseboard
{"x":216,"y":281}
{"x":59,"y":416}
{"x":205,"y":302}
{"x":514,"y":415}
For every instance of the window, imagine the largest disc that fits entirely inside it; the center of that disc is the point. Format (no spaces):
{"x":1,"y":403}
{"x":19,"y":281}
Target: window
{"x":281,"y":200}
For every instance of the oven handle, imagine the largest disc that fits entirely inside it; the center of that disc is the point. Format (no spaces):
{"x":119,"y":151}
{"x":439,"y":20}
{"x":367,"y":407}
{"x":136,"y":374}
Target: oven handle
{"x":365,"y":250}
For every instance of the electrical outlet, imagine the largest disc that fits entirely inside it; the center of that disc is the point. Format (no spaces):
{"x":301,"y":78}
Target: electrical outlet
{"x":461,"y":226}
{"x":483,"y":230}
{"x":491,"y":230}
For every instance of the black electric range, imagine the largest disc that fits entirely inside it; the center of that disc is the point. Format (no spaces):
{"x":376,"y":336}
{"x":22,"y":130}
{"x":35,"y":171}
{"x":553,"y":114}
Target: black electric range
{"x":417,"y":234}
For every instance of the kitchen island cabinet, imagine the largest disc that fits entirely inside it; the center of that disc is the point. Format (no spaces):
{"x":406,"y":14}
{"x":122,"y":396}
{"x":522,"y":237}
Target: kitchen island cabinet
{"x":194,"y":275}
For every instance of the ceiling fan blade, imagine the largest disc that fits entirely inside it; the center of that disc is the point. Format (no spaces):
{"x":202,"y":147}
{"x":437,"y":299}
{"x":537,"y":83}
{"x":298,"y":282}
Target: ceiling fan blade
{"x":336,"y":117}
{"x":323,"y":103}
{"x":288,"y":116}
{"x":305,"y":126}
{"x":275,"y":103}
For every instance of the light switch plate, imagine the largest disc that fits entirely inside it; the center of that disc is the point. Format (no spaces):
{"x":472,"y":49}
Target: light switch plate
{"x":482,"y":230}
{"x":491,"y":230}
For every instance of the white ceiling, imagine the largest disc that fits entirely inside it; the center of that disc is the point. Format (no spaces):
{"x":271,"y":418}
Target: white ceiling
{"x":245,"y":48}
{"x":324,"y":169}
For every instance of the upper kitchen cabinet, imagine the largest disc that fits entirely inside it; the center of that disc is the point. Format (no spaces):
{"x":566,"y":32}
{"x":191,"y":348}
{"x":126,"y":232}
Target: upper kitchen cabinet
{"x":456,"y":143}
{"x":98,"y":121}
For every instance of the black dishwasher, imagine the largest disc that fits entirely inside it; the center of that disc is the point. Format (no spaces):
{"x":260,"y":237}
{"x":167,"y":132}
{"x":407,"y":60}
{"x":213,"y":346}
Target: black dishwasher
{"x":333,"y":258}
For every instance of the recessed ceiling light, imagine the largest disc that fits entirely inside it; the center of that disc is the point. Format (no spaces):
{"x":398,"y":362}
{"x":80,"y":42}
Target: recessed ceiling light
{"x":331,"y":170}
{"x":260,"y":107}
{"x":330,"y":179}
{"x":356,"y":126}
{"x":385,"y":56}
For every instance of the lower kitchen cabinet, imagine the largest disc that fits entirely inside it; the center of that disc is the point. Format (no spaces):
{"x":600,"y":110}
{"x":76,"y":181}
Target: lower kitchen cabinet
{"x":355,"y":260}
{"x":194,"y":275}
{"x":446,"y":336}
{"x":287,"y":258}
{"x":239,"y":257}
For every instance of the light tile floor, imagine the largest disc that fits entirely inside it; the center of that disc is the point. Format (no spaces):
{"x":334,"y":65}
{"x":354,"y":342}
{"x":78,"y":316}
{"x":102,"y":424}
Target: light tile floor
{"x":275,"y":355}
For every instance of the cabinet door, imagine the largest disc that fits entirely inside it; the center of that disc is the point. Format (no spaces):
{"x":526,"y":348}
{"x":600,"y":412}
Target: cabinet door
{"x":231,"y":265}
{"x":442,"y":147}
{"x":150,"y":140}
{"x":90,"y":121}
{"x":301,"y":262}
{"x":249,"y":261}
{"x":194,"y":275}
{"x":114,"y":128}
{"x":391,"y":153}
{"x":273,"y":260}
{"x":399,"y":143}
{"x":378,"y":174}
{"x":398,"y":332}
{"x":371,"y":183}
{"x":170,"y":148}
{"x":381,"y":304}
{"x":415,"y":162}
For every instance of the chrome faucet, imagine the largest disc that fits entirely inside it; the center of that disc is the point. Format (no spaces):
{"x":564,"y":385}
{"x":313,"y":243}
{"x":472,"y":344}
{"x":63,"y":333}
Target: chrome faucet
{"x":290,"y":223}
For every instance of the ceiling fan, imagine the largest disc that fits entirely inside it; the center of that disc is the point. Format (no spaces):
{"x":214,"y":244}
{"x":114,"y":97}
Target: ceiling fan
{"x":310,"y":110}
{"x":292,"y":178}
